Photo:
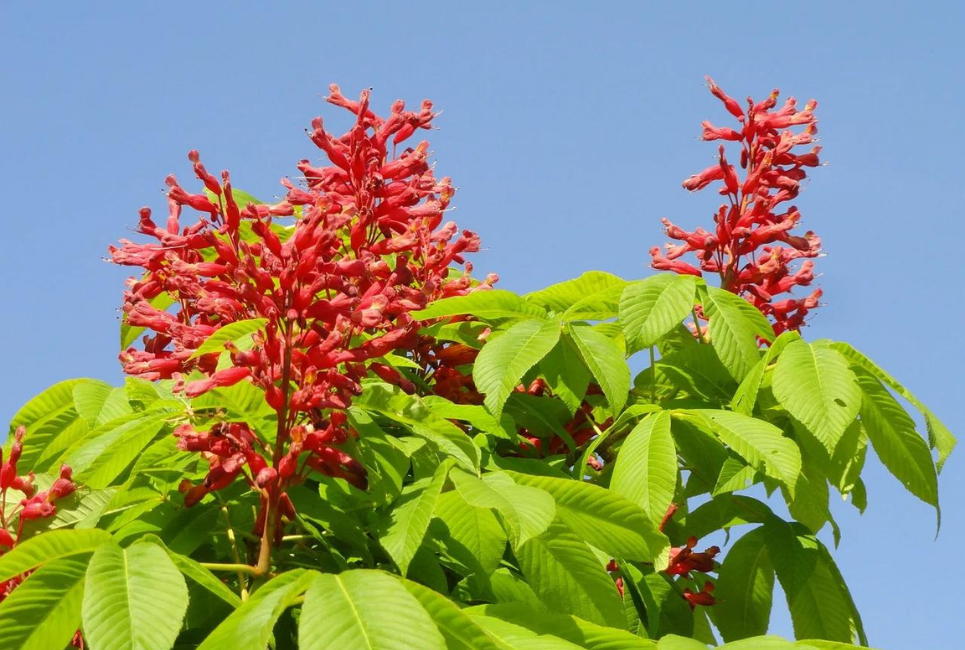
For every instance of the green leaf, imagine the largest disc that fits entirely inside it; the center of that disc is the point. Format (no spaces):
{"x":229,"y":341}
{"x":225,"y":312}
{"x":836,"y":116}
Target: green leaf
{"x":939,"y":437}
{"x":475,"y":415}
{"x":527,"y":511}
{"x":48,"y":547}
{"x":459,"y":630}
{"x":722,"y":512}
{"x":414,"y":414}
{"x":196,"y":572}
{"x":674,"y":642}
{"x":697,"y":371}
{"x":411,"y":515}
{"x":819,"y":607}
{"x":734,"y":327}
{"x":367,"y":610}
{"x":487,"y":305}
{"x":761,"y":643}
{"x":603,"y":518}
{"x":503,"y":361}
{"x":746,"y":395}
{"x":83,"y":508}
{"x":592,"y":296}
{"x":46,"y":416}
{"x":510,"y":636}
{"x":652,"y":308}
{"x":233,"y":333}
{"x":646,"y":467}
{"x":605,"y":360}
{"x":745,"y":587}
{"x":114,"y":446}
{"x":760,"y":443}
{"x":570,"y":628}
{"x":566,"y":374}
{"x":893,"y":437}
{"x":477,"y":535}
{"x":44,"y":611}
{"x":133,"y":598}
{"x":98,"y":402}
{"x":250,"y":626}
{"x":816,"y":386}
{"x":568,"y":577}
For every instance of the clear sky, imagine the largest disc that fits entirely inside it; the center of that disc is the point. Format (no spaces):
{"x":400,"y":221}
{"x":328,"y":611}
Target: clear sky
{"x":567,"y":128}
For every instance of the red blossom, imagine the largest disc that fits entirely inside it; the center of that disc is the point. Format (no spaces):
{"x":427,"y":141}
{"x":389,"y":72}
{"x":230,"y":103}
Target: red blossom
{"x":703,"y":597}
{"x":334,"y":269}
{"x":753,"y":248}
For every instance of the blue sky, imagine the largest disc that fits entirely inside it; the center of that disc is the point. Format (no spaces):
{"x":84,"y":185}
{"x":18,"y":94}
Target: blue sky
{"x":567,"y":130}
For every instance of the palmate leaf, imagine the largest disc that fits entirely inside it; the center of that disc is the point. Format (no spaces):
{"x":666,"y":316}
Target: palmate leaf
{"x":568,"y":577}
{"x":816,"y":386}
{"x":196,"y":572}
{"x":476,"y":532}
{"x":816,"y":595}
{"x":760,"y":443}
{"x":646,"y":467}
{"x":605,"y":360}
{"x":410,"y":411}
{"x":895,"y":441}
{"x":527,"y":511}
{"x":582,"y":634}
{"x":134,"y":598}
{"x":592,"y":296}
{"x":367,"y":610}
{"x":651,"y":308}
{"x":503,"y":361}
{"x":49,"y":547}
{"x":458,"y":629}
{"x":111,"y":448}
{"x":674,"y":642}
{"x":411,"y":515}
{"x":98,"y":402}
{"x":511,"y":636}
{"x":250,"y":626}
{"x":44,"y":611}
{"x":486,"y":305}
{"x":722,"y":512}
{"x":46,"y":417}
{"x":566,"y":374}
{"x":745,"y":588}
{"x":745,"y":397}
{"x":603,"y":518}
{"x":734,"y":327}
{"x":939,"y":437}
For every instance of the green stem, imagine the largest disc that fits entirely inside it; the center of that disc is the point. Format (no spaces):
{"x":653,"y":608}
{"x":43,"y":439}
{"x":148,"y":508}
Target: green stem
{"x":239,"y":568}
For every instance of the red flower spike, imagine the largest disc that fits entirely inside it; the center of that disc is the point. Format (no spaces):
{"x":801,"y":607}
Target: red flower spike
{"x":749,"y":227}
{"x":330,"y":310}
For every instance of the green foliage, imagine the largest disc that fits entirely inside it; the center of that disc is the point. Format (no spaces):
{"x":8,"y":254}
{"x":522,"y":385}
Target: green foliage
{"x":534,"y":517}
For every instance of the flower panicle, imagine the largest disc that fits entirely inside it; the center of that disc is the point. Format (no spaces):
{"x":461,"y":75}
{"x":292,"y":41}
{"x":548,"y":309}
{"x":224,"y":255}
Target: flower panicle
{"x":333,"y":270}
{"x":754,"y":247}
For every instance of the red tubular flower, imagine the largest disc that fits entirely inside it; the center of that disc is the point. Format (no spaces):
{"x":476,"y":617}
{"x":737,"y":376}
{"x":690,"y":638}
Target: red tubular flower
{"x":334,"y":270}
{"x":753,"y":247}
{"x":683,"y":560}
{"x":703,"y":597}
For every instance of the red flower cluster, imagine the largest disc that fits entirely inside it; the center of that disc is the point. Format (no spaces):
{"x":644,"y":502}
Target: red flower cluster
{"x":366,"y":246}
{"x":752,"y":247}
{"x":683,"y":560}
{"x":34,"y":505}
{"x":703,"y":597}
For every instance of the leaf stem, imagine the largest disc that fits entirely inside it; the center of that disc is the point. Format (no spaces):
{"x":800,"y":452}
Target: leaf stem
{"x":239,"y":568}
